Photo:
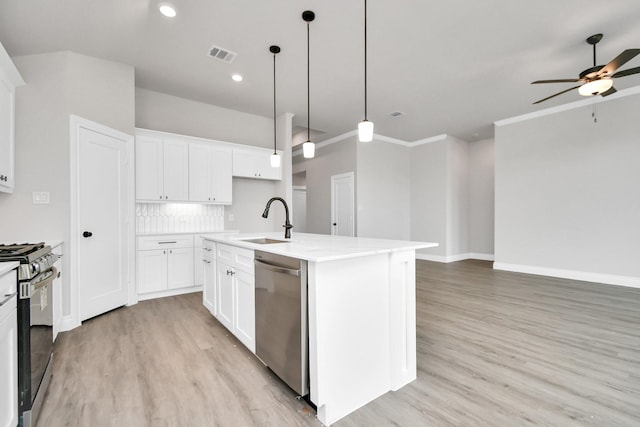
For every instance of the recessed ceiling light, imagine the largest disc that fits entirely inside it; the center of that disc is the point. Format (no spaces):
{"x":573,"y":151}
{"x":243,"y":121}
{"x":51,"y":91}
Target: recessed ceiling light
{"x":236,"y":77}
{"x":167,"y":10}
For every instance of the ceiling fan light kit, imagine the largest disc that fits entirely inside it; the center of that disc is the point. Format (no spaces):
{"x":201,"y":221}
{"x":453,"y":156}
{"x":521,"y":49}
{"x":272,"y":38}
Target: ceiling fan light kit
{"x":597,"y":80}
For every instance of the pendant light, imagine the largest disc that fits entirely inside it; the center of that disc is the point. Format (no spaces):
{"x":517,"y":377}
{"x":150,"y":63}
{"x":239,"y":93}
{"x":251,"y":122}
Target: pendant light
{"x":308,"y":148}
{"x":275,"y":157}
{"x":365,"y":127}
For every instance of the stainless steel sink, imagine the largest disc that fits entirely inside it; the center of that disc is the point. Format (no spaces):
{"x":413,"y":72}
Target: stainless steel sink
{"x":263,"y":240}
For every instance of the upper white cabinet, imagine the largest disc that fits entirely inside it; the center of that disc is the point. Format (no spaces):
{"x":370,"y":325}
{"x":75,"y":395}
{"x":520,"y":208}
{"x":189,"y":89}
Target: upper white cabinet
{"x":210,"y":173}
{"x":9,"y":80}
{"x":255,"y":162}
{"x":162,"y":169}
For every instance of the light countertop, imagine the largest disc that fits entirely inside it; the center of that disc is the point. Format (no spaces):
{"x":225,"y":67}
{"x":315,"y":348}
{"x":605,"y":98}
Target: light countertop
{"x":319,"y":247}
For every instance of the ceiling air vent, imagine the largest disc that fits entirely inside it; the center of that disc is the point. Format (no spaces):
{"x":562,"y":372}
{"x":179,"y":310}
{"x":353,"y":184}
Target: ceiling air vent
{"x":397,"y":113}
{"x":222,"y":54}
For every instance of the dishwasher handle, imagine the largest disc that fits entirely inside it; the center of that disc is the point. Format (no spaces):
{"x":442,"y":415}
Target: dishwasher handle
{"x":276,"y":268}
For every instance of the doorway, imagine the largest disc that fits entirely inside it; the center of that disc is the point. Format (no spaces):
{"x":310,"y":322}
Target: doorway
{"x":102,"y":203}
{"x":342,"y":205}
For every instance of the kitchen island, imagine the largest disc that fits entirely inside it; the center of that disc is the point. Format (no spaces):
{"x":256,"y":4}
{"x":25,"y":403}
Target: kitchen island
{"x":361,"y":314}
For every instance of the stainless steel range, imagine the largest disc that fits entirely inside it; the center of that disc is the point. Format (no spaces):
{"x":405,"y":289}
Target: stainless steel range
{"x":35,"y":324}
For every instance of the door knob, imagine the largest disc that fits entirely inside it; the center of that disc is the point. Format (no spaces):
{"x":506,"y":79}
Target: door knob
{"x":335,"y":223}
{"x":87,"y":234}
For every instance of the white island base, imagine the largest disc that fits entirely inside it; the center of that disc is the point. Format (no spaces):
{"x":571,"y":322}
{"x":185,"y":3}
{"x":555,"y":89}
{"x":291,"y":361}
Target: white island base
{"x":361,"y":315}
{"x":362,"y":330}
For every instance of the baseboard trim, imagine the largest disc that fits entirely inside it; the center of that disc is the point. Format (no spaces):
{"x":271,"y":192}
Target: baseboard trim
{"x":607,"y":279}
{"x":454,"y":258}
{"x":68,"y":323}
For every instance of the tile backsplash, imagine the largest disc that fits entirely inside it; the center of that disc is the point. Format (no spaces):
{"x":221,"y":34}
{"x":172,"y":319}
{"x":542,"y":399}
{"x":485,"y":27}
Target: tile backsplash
{"x":178,"y":218}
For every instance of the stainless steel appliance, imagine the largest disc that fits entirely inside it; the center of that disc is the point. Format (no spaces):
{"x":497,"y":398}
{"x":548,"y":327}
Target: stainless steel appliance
{"x":35,"y":324}
{"x":281,"y":318}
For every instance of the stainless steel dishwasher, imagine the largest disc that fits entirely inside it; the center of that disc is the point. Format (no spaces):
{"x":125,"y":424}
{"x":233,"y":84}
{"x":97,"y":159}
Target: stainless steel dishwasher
{"x":281,"y":318}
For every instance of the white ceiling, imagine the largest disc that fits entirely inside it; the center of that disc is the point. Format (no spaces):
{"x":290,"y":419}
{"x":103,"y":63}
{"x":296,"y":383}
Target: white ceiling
{"x":452,"y":66}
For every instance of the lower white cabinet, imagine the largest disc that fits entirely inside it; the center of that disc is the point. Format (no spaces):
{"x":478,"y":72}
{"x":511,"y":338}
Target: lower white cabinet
{"x":8,"y":350}
{"x":165,"y":264}
{"x":57,"y":292}
{"x":235,"y":292}
{"x":208,"y":268}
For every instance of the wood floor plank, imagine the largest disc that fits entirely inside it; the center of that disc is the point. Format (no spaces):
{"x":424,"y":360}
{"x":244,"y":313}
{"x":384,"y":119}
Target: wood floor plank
{"x":495,"y":348}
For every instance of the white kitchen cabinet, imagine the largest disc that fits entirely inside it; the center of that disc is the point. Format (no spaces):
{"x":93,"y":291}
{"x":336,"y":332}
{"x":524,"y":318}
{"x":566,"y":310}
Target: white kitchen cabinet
{"x":236,"y":292}
{"x":10,"y":79}
{"x":162,"y":169}
{"x":210,"y":173}
{"x":255,"y":162}
{"x":8,"y":350}
{"x":165,"y":265}
{"x":209,"y":271}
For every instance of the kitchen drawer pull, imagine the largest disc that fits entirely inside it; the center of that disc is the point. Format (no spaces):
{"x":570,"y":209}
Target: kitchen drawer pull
{"x":165,"y":243}
{"x":8,"y":297}
{"x":207,"y":249}
{"x":206,"y":261}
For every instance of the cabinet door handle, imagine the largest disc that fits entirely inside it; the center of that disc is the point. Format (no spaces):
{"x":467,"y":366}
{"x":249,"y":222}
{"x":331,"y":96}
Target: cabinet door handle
{"x":206,"y":261}
{"x":206,"y":249}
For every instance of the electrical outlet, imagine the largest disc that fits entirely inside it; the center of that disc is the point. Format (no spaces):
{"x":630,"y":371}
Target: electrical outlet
{"x":40,"y":197}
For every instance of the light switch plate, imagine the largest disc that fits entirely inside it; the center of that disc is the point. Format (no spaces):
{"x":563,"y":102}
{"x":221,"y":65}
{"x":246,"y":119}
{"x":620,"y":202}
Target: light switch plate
{"x":231,"y":217}
{"x":40,"y":197}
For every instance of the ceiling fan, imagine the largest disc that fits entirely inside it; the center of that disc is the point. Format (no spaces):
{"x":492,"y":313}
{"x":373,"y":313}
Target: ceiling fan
{"x":597,"y":79}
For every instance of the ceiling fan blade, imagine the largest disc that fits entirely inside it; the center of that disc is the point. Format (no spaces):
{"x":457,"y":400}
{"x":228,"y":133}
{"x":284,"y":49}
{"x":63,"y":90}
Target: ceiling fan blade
{"x":559,"y":93}
{"x":609,"y":92}
{"x":628,"y":72}
{"x":618,"y":61}
{"x":556,"y":81}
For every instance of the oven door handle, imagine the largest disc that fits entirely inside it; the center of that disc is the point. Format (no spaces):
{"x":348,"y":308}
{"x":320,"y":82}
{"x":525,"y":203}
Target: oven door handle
{"x":8,"y":297}
{"x":44,"y":282}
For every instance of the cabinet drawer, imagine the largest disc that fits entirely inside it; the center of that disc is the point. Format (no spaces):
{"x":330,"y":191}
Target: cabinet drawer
{"x":238,"y":258}
{"x":243,"y":259}
{"x":165,"y":242}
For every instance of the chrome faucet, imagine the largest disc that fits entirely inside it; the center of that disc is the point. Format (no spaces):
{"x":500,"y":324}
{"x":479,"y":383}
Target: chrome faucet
{"x":287,"y":225}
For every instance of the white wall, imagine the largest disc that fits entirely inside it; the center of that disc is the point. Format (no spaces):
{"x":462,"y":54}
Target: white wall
{"x":58,"y":85}
{"x":481,"y":198}
{"x":384,"y":190}
{"x":167,"y":113}
{"x":333,"y":159}
{"x":567,"y":192}
{"x":429,"y":195}
{"x":457,"y":197}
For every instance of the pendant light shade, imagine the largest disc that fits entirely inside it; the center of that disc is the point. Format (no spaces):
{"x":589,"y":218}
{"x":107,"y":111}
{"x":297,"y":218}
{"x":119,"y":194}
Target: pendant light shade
{"x":365,"y":127}
{"x":275,"y":157}
{"x":308,"y":148}
{"x":365,"y":131}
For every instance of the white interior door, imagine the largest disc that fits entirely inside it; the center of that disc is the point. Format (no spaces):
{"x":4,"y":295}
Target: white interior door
{"x":102,"y":222}
{"x":342,"y":202}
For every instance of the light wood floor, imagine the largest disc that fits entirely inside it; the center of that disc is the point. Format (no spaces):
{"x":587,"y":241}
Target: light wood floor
{"x":494,"y":349}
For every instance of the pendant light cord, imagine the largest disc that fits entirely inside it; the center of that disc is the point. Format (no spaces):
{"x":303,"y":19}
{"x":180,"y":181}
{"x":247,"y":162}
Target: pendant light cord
{"x":365,"y":60}
{"x":308,"y":91}
{"x":274,"y":104}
